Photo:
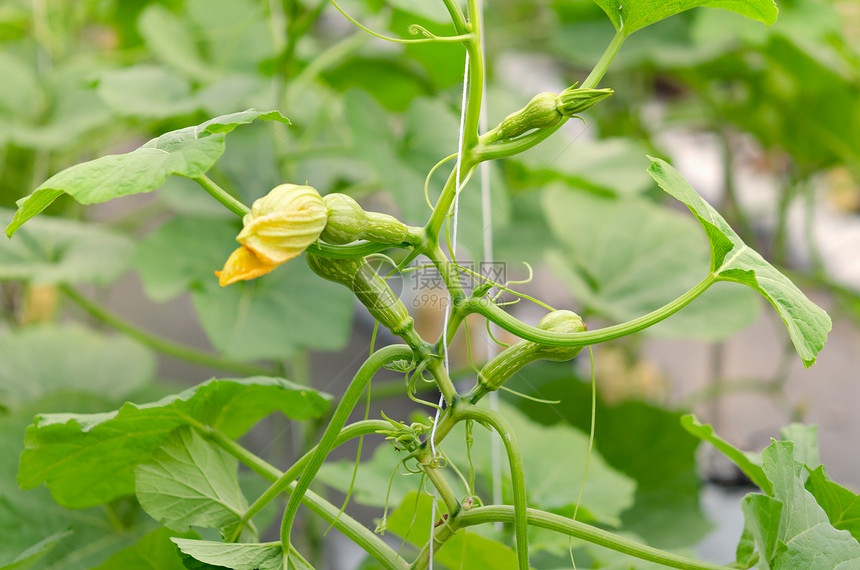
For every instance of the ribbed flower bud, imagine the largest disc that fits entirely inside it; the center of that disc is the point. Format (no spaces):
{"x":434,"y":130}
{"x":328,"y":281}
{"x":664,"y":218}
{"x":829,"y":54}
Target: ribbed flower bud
{"x":283,"y":223}
{"x":573,"y":101}
{"x":348,"y":222}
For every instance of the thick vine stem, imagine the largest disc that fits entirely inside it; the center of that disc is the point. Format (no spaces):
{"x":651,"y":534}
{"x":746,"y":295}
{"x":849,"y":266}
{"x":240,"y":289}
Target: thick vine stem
{"x":283,"y":482}
{"x":163,"y":345}
{"x":509,"y":438}
{"x":494,"y":313}
{"x":576,"y":529}
{"x":341,"y":414}
{"x":348,"y":526}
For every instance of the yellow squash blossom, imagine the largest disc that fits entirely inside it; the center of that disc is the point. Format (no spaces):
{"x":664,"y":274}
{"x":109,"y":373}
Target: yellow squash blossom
{"x":280,"y":226}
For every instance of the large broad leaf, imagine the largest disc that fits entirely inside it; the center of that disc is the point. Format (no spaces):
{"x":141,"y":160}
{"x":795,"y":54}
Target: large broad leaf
{"x":791,"y":530}
{"x":183,"y":254}
{"x":154,"y":551}
{"x":631,"y":15}
{"x":47,"y":358}
{"x":733,"y":260}
{"x":88,"y":459}
{"x":272,"y":316}
{"x":186,"y":152}
{"x":629,"y":436}
{"x":190,"y":482}
{"x":54,"y":250}
{"x":623,"y":258}
{"x":749,"y":463}
{"x":411,"y":520}
{"x":36,"y":552}
{"x":265,"y":318}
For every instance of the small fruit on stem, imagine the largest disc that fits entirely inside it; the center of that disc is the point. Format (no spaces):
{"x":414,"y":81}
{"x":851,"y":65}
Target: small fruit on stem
{"x":498,"y":370}
{"x":348,"y":222}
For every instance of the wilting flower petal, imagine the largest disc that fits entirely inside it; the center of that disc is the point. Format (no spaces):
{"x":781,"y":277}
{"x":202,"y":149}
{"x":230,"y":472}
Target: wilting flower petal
{"x":242,"y":265}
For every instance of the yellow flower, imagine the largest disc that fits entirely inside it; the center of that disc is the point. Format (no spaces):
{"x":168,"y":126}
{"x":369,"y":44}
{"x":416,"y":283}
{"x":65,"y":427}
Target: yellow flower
{"x":283,"y":223}
{"x":242,"y":264}
{"x":280,"y":226}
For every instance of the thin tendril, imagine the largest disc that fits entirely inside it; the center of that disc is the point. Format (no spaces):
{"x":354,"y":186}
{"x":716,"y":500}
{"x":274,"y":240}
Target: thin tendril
{"x":497,"y":341}
{"x":590,"y":447}
{"x":527,"y":397}
{"x":413,"y":29}
{"x":414,"y":513}
{"x":430,"y":174}
{"x":457,"y":471}
{"x":469,"y":441}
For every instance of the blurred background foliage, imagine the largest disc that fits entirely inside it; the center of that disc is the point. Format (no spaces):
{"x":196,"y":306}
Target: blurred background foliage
{"x":102,"y":304}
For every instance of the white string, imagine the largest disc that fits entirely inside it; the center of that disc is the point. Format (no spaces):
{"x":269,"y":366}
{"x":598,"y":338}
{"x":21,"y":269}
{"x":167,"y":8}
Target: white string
{"x":457,"y":187}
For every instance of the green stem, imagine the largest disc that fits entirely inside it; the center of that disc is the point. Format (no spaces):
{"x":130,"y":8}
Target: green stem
{"x":222,"y":195}
{"x":345,"y":524}
{"x":484,"y":152}
{"x":341,"y":414}
{"x":515,"y":460}
{"x":488,"y":309}
{"x":564,"y":525}
{"x":445,"y":491}
{"x":283,"y":482}
{"x":414,"y":238}
{"x":605,"y":61}
{"x":436,"y":367}
{"x":160,"y":344}
{"x":456,"y":16}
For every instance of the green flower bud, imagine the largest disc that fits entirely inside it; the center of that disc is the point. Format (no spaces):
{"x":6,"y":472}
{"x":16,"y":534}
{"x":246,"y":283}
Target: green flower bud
{"x":540,"y":113}
{"x":498,"y":370}
{"x":283,"y":223}
{"x":573,"y":101}
{"x":348,"y":222}
{"x":373,"y":292}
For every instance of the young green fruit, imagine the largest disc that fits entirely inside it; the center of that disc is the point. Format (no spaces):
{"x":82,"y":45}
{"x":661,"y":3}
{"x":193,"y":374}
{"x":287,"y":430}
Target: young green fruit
{"x":373,"y":292}
{"x":539,"y":113}
{"x":348,"y":222}
{"x":498,"y":370}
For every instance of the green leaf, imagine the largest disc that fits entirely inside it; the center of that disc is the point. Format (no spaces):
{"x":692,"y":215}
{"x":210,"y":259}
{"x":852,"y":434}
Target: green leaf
{"x":749,"y":463}
{"x":42,"y":359}
{"x":154,"y":551}
{"x":36,"y":552}
{"x":733,"y":260}
{"x":841,"y":505}
{"x":666,"y":512}
{"x":216,"y":555}
{"x":805,"y":440}
{"x":186,"y":152}
{"x":54,"y":250}
{"x":809,"y":539}
{"x":266,"y":556}
{"x":763,"y":514}
{"x":465,"y":549}
{"x":88,"y":459}
{"x":608,"y":166}
{"x":146,"y":91}
{"x":623,"y":258}
{"x":196,"y":247}
{"x":247,"y":320}
{"x":168,"y":37}
{"x":190,"y":482}
{"x":631,"y":15}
